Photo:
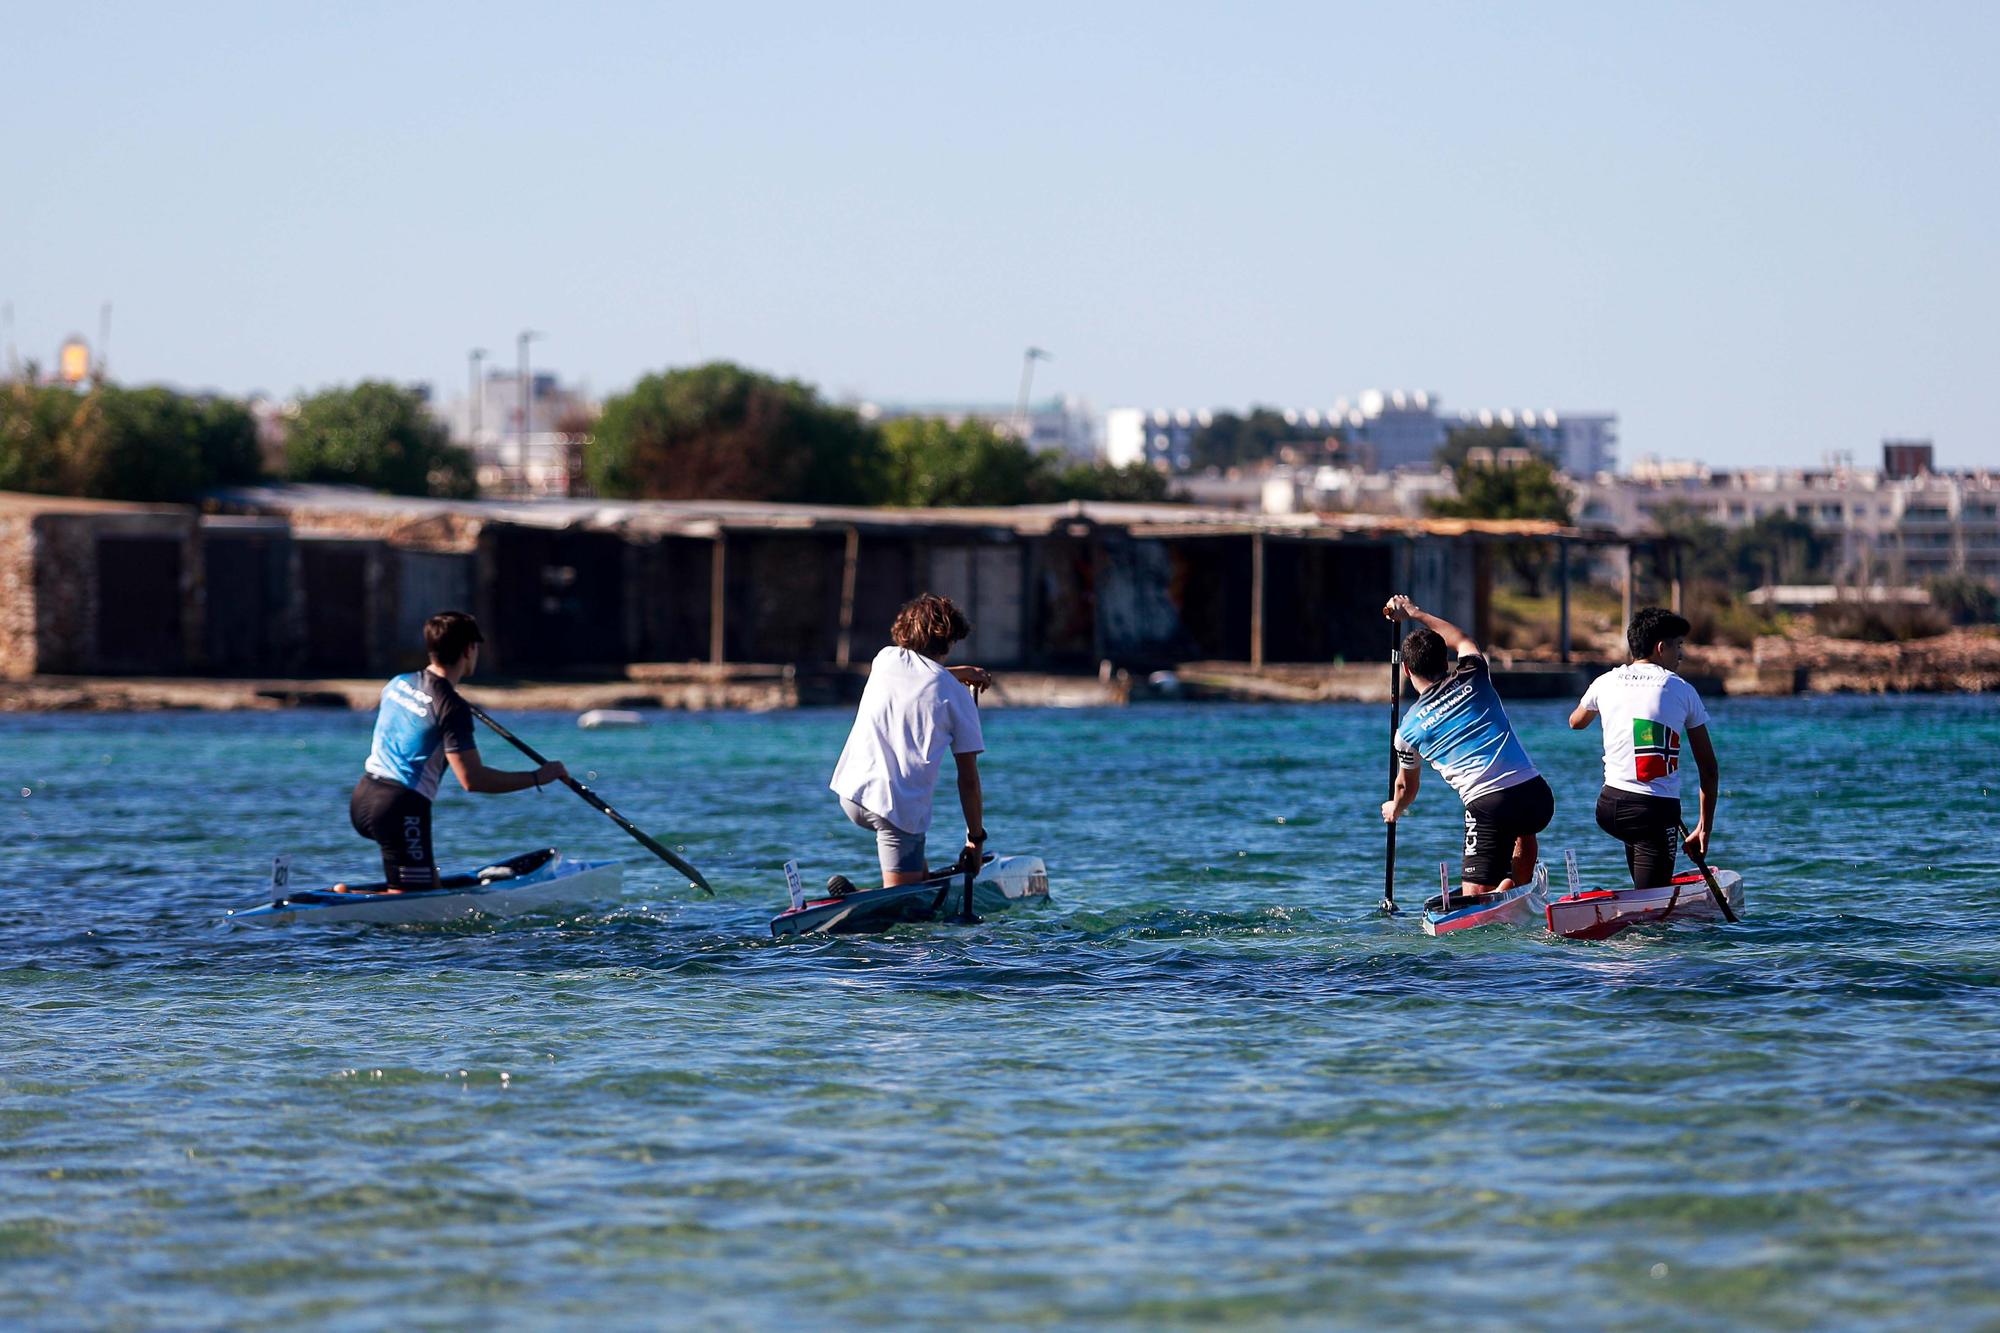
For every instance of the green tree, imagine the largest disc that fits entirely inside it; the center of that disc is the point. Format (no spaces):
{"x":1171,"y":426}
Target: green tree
{"x":1229,"y":441}
{"x":932,"y":462}
{"x":114,"y":443}
{"x":1460,"y":441}
{"x":1778,"y":548}
{"x":1135,"y":483}
{"x":722,"y":432}
{"x":377,"y":435}
{"x":1530,"y":490}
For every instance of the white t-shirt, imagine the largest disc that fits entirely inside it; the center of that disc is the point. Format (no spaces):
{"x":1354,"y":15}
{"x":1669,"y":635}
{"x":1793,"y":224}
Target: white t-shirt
{"x":1645,"y":710}
{"x":913,"y":713}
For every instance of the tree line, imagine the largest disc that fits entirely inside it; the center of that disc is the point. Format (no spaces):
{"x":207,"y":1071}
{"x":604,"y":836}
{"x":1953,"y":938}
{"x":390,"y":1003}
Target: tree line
{"x":711,"y":432}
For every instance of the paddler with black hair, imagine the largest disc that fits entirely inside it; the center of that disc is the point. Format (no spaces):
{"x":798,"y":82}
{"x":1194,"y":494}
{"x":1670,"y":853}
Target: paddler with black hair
{"x":1459,"y":724}
{"x":1646,"y":709}
{"x":423,"y":726}
{"x":914,"y":712}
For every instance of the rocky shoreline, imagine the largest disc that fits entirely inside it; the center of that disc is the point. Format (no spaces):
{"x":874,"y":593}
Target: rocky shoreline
{"x":1960,"y":662}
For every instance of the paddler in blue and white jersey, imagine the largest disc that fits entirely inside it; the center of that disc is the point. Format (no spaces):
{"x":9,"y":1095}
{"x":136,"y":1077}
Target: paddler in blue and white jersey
{"x":1460,"y":726}
{"x":423,"y":726}
{"x":914,"y":711}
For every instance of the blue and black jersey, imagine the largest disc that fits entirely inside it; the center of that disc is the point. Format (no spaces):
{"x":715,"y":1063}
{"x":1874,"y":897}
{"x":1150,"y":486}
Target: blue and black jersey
{"x":1459,"y":725}
{"x":422,"y":718}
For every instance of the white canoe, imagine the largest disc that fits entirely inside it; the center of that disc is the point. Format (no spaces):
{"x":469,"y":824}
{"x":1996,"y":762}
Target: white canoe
{"x":1523,"y":902}
{"x":1002,"y":882}
{"x":534,"y":882}
{"x":1597,"y":913}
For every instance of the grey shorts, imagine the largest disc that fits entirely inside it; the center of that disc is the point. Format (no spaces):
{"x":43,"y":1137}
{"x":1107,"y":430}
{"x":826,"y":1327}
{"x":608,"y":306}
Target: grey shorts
{"x":900,"y":852}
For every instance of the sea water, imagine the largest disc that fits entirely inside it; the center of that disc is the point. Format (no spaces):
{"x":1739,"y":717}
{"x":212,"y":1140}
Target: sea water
{"x":1206,"y":1082}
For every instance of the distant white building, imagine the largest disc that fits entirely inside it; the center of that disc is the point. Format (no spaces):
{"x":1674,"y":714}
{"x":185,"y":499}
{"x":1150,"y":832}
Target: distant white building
{"x":1887,"y":528}
{"x":1164,"y":439}
{"x":1384,"y":429}
{"x":512,"y":461}
{"x":1064,"y":423}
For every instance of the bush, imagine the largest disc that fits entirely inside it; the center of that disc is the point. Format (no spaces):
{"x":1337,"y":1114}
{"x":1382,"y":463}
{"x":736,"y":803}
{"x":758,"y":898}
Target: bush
{"x":110,"y":443}
{"x":1963,"y":600}
{"x":1879,"y":622}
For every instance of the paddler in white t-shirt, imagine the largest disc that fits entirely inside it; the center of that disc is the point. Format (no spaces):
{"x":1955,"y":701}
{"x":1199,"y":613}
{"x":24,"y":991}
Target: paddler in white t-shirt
{"x":1646,"y":709}
{"x":914,"y":712}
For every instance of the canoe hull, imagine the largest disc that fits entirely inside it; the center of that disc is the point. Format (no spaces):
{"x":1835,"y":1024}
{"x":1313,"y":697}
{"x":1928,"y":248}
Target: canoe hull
{"x":554,"y":882}
{"x":1003,"y":882}
{"x":1600,"y":913}
{"x":1523,"y":902}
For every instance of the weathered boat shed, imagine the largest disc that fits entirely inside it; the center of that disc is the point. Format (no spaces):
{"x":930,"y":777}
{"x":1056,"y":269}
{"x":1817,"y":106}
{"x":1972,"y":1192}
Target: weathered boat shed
{"x":334,"y":581}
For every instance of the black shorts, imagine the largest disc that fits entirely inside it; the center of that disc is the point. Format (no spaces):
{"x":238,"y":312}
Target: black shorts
{"x":1650,"y":828}
{"x":1495,"y":820}
{"x":398,"y":821}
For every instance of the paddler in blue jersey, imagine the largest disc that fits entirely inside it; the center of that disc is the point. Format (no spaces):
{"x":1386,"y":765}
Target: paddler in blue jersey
{"x":1459,"y":725}
{"x":423,"y":726}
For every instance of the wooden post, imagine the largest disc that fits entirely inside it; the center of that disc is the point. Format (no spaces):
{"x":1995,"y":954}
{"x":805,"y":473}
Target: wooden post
{"x":1256,"y":601}
{"x":849,"y":568}
{"x":1562,"y":589}
{"x":1674,"y":555}
{"x":1627,"y":548}
{"x":718,"y":568}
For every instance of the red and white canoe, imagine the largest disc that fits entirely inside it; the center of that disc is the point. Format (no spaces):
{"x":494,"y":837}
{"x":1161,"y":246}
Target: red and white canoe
{"x":1597,"y":913}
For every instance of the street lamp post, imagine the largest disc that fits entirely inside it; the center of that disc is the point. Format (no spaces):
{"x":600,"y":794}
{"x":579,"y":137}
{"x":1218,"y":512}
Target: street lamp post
{"x":1028,"y":359}
{"x":527,"y":405}
{"x":478,"y":395}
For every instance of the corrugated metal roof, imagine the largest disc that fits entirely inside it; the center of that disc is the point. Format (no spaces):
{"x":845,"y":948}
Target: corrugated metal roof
{"x":707,"y":517}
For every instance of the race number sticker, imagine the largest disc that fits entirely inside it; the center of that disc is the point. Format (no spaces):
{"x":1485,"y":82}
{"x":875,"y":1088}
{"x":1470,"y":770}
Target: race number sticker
{"x":281,"y":875}
{"x":795,"y":884}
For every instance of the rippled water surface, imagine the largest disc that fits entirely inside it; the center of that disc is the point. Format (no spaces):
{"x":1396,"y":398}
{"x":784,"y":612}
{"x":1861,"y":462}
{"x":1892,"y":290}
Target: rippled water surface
{"x":1206,"y":1082}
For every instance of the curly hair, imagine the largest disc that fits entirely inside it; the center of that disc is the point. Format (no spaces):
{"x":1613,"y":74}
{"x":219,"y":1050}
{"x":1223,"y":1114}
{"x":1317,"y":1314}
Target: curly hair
{"x":929,"y":624}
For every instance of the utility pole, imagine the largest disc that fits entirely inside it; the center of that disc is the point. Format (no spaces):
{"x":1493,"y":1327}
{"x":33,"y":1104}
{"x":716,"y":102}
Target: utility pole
{"x":527,"y":405}
{"x":1028,"y":359}
{"x":475,"y":356}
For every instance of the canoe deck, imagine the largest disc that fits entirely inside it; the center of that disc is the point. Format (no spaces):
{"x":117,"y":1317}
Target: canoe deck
{"x":1521,"y":903}
{"x":1003,"y":882}
{"x":1599,"y":913}
{"x":532,"y":882}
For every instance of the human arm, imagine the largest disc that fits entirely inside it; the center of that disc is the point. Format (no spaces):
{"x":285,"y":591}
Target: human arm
{"x":473,"y":774}
{"x":1582,"y":715}
{"x":976,"y":679}
{"x":1407,"y":778}
{"x":972,"y":800}
{"x":1461,"y":644}
{"x":1711,"y":778}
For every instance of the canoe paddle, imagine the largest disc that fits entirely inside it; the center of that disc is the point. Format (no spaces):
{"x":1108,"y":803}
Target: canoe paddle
{"x":1707,"y":875}
{"x":694,"y":876}
{"x":1395,"y":724}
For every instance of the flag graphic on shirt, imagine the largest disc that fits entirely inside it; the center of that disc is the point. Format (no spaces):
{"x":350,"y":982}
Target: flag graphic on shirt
{"x":1656,"y":749}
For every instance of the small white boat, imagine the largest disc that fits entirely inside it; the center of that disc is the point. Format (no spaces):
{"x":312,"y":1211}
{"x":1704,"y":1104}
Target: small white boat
{"x":610,"y":717}
{"x":1523,"y":902}
{"x":533,"y":882}
{"x":1597,"y":913}
{"x":1002,"y":882}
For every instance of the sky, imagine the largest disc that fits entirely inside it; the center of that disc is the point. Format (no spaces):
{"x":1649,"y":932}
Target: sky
{"x":1759,"y":232}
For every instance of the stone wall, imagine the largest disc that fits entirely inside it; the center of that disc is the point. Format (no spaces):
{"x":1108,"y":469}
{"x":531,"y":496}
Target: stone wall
{"x":17,"y":596}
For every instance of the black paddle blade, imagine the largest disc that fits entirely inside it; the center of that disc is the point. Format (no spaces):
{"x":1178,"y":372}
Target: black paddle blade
{"x":1389,"y":907}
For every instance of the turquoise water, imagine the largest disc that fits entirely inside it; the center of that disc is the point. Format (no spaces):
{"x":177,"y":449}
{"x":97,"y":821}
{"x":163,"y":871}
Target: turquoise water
{"x":1206,"y":1082}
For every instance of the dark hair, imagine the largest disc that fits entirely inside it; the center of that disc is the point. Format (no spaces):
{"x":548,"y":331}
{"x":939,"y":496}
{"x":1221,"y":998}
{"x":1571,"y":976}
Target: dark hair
{"x":1652,"y":626}
{"x":929,"y":624}
{"x":1423,"y":653}
{"x":448,"y":634}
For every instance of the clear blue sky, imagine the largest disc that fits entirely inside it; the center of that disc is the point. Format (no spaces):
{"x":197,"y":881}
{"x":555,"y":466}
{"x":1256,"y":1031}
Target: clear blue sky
{"x":1757,"y":231}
